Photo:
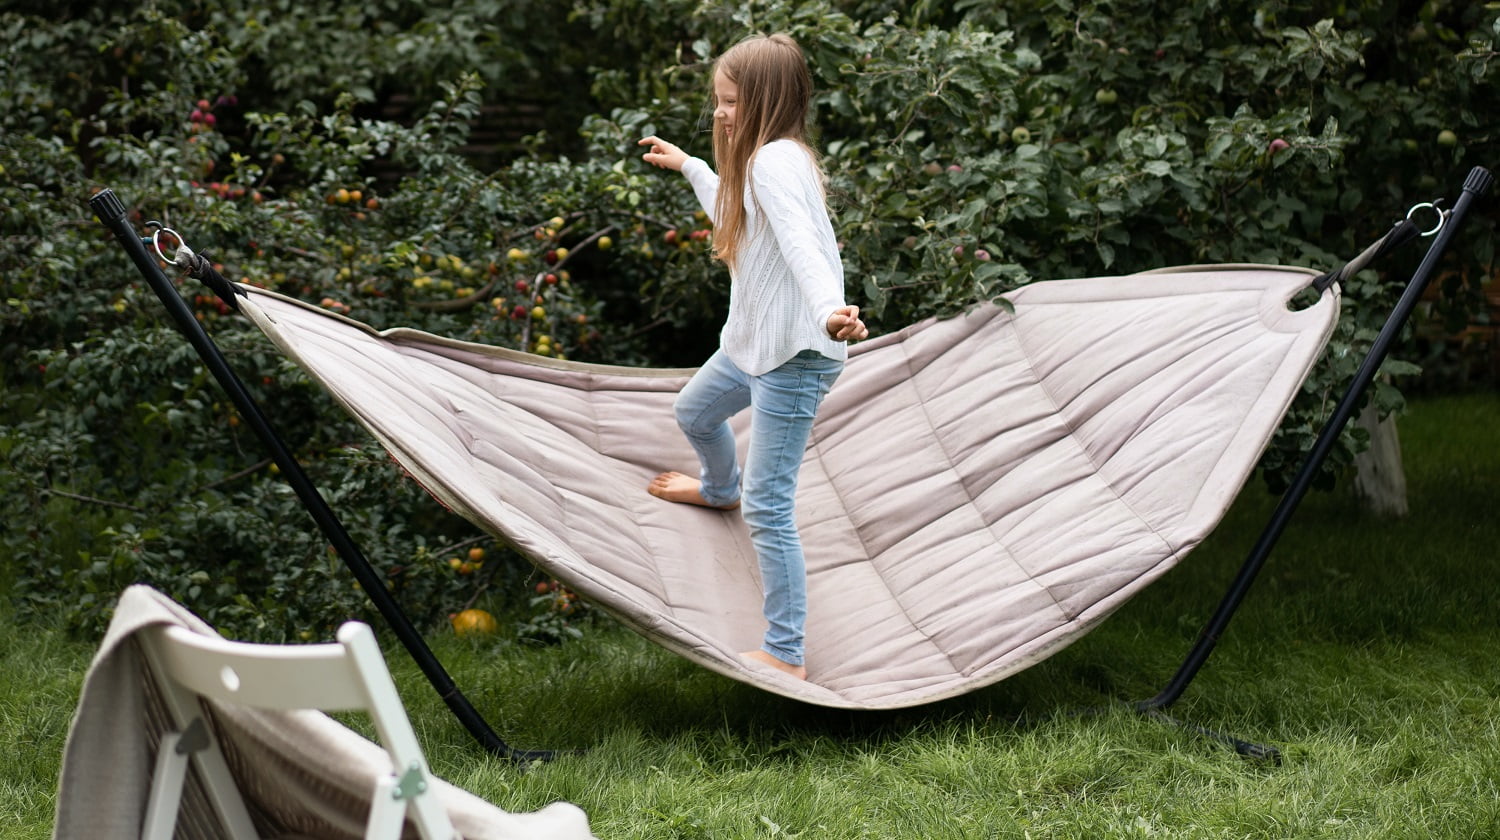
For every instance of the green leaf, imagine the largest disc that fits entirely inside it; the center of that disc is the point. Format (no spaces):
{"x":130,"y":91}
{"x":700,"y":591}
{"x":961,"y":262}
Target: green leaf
{"x":1106,"y":253}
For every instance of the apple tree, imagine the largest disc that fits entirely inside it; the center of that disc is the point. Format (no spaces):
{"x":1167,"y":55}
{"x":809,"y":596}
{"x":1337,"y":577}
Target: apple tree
{"x":348,"y":156}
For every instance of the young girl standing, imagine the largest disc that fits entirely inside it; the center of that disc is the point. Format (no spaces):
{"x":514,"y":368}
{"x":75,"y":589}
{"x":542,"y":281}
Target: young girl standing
{"x":783,"y":344}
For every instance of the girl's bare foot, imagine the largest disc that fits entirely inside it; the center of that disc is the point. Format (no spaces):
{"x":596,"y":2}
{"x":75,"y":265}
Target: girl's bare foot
{"x":798,"y":671}
{"x":676,"y":487}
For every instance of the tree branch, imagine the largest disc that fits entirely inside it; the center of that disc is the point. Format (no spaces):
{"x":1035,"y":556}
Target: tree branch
{"x":94,"y":501}
{"x":257,"y":466}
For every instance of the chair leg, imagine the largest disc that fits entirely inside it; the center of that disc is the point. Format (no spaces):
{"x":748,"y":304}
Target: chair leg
{"x":431,"y":817}
{"x":387,"y":811}
{"x":176,"y":751}
{"x":166,"y":788}
{"x":411,"y":792}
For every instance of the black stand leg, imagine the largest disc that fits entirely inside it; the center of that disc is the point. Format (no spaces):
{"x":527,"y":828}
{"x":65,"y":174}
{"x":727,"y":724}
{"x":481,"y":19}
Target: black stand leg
{"x":111,"y":212}
{"x":1478,"y":182}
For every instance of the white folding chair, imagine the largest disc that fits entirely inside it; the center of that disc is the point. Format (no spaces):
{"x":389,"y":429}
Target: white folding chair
{"x":348,"y":676}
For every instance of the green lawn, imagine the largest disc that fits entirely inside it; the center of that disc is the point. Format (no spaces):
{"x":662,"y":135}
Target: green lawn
{"x":1367,"y":653}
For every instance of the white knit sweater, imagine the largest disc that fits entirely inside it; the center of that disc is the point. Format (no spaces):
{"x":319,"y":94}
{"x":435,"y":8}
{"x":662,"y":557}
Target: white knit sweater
{"x":789,"y":278}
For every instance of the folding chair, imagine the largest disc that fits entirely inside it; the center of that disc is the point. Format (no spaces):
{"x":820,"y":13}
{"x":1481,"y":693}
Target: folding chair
{"x":348,"y":676}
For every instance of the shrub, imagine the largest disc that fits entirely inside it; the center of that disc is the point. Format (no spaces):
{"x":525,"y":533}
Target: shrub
{"x":1059,"y":140}
{"x":1074,"y":141}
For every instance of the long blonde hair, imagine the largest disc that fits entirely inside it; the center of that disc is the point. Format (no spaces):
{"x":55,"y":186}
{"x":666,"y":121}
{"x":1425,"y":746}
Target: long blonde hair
{"x":775,"y":92}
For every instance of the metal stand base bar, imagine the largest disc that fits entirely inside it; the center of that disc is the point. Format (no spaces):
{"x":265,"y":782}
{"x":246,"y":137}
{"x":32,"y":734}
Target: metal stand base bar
{"x":1477,"y":183}
{"x":111,"y":212}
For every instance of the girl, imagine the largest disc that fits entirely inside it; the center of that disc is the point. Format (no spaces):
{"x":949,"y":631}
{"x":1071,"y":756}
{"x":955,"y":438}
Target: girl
{"x":783,"y":344}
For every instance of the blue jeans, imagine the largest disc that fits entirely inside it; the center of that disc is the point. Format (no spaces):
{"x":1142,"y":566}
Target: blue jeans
{"x":783,"y":403}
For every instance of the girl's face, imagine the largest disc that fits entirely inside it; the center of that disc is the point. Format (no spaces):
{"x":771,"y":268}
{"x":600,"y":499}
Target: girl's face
{"x":726,"y":95}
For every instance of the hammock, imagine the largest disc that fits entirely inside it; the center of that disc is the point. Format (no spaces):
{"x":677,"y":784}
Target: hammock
{"x":978,"y":492}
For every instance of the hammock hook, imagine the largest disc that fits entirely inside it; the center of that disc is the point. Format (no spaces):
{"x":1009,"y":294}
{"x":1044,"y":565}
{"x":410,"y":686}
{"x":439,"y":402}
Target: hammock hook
{"x":1442,"y":215}
{"x":183,"y":259}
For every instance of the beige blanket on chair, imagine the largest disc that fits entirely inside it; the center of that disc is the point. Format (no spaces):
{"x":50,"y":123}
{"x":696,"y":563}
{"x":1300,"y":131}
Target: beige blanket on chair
{"x":301,"y":773}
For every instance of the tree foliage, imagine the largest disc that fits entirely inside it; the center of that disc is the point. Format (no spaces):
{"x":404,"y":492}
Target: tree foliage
{"x":329,"y":151}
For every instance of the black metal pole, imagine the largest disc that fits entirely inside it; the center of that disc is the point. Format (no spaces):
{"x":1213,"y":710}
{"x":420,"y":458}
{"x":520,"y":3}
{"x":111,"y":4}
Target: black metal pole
{"x":1475,"y":185}
{"x":111,"y":212}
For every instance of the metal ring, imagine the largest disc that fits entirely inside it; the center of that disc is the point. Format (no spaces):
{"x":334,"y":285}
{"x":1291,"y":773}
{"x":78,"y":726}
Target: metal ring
{"x":156,"y":242}
{"x":1442,"y":217}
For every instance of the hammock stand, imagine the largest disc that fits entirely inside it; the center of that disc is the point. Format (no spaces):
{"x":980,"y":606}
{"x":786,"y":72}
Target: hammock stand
{"x":112,"y":214}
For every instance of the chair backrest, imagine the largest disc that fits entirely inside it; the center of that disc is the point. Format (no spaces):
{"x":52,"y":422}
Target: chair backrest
{"x":347,"y":676}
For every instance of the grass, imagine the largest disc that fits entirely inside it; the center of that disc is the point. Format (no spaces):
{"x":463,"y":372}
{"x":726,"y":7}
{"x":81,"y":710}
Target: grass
{"x":1366,"y":653}
{"x":41,"y":672}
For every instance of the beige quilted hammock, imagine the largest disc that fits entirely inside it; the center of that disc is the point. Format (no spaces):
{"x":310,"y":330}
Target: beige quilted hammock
{"x":978,"y":491}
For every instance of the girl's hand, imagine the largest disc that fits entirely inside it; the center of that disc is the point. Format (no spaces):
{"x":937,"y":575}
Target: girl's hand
{"x":844,"y":324}
{"x":663,"y":154}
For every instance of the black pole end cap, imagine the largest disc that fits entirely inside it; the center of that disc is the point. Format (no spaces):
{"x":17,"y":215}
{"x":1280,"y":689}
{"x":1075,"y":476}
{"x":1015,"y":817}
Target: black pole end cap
{"x":1479,"y":180}
{"x":107,"y":206}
